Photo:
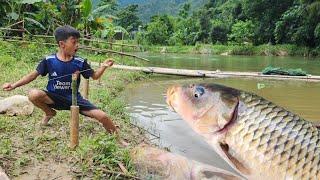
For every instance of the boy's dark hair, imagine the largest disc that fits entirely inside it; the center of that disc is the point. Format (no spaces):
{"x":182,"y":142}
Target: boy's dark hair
{"x":62,"y":33}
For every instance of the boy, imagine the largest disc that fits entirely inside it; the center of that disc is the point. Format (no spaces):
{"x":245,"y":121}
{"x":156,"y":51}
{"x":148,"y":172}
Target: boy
{"x":59,"y":68}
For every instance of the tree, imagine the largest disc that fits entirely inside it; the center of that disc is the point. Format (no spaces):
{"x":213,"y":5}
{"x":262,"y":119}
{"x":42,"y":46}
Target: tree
{"x":17,"y":10}
{"x":157,"y":32}
{"x":69,"y":10}
{"x":128,"y":18}
{"x":92,"y":18}
{"x":298,"y":25}
{"x":166,"y":20}
{"x":184,"y":11}
{"x":266,"y":13}
{"x":317,"y":35}
{"x":242,"y":32}
{"x":111,"y":3}
{"x":219,"y":32}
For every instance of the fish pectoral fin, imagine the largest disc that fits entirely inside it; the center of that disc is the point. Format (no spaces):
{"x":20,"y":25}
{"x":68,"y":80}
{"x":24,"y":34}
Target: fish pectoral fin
{"x":207,"y":174}
{"x":240,"y":166}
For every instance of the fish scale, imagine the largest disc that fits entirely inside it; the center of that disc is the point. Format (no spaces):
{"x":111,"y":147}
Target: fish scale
{"x":282,"y":137}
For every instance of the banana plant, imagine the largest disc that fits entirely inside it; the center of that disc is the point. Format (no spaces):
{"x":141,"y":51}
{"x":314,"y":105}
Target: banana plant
{"x":92,"y":18}
{"x":110,"y":30}
{"x":16,"y":11}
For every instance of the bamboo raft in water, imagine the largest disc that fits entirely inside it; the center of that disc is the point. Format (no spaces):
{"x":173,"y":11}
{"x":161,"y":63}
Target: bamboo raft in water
{"x":214,"y":74}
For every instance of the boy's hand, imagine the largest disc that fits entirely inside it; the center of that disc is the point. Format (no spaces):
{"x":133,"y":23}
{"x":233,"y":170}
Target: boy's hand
{"x":8,"y":87}
{"x":108,"y":63}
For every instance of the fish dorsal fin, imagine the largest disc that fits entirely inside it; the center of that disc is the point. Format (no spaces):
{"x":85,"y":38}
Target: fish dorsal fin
{"x":240,"y":166}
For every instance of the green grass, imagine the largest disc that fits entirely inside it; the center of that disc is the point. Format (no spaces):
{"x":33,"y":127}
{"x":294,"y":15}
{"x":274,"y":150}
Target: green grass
{"x":23,"y":142}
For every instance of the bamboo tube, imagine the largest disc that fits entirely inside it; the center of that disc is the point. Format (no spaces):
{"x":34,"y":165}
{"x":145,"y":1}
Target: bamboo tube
{"x":99,"y":80}
{"x":86,"y":88}
{"x":74,"y":89}
{"x":74,"y":121}
{"x":74,"y":127}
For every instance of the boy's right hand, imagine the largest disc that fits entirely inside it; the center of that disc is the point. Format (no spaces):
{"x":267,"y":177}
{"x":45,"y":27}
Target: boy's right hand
{"x":8,"y":87}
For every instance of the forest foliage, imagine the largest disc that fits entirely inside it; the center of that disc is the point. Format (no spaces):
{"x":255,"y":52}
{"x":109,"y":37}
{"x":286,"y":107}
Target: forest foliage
{"x":226,"y":22}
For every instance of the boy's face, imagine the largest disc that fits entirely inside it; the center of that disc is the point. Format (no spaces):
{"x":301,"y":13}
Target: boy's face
{"x":70,"y":46}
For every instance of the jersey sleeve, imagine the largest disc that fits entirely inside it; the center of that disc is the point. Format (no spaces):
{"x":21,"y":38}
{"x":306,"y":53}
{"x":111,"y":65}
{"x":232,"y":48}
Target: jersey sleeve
{"x":87,"y":71}
{"x":42,"y":67}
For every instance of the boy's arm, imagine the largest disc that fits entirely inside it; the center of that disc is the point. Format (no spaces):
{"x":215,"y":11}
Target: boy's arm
{"x":24,"y":80}
{"x":98,"y":73}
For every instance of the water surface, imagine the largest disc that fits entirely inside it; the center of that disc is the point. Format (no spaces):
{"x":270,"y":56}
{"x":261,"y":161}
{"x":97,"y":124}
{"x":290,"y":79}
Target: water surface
{"x":231,"y":63}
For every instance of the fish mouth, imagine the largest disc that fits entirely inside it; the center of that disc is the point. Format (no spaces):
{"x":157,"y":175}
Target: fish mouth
{"x":231,"y":121}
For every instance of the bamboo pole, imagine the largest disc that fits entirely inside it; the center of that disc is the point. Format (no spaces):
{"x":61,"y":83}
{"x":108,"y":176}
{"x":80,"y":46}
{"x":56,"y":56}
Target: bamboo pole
{"x":92,"y":40}
{"x":74,"y":127}
{"x":86,"y":48}
{"x":84,"y":39}
{"x":13,"y":37}
{"x":99,"y":80}
{"x":74,"y":121}
{"x":14,"y":24}
{"x":86,"y":88}
{"x":23,"y":28}
{"x":214,"y":74}
{"x":9,"y":29}
{"x":21,"y":41}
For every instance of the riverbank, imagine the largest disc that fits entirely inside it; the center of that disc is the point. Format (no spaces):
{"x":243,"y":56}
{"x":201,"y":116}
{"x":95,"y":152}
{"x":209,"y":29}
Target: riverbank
{"x":262,"y":50}
{"x":29,"y":150}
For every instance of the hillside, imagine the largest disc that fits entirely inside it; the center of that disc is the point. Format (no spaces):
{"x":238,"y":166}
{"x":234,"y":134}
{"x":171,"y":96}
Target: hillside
{"x":148,"y":8}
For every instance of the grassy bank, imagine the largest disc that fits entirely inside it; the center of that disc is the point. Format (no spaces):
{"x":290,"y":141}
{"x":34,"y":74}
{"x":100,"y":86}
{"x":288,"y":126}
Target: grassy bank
{"x":27,"y":148}
{"x":262,"y":50}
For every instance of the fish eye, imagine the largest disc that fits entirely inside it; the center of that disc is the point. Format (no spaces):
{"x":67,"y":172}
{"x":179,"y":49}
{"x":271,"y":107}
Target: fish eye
{"x":199,"y":91}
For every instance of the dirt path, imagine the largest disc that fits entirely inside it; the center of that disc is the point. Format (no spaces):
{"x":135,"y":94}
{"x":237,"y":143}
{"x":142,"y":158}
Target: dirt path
{"x":46,"y":171}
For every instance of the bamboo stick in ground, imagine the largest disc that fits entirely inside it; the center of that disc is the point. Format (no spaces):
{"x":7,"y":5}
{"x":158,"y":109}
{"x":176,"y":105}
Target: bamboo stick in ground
{"x":74,"y":121}
{"x":99,"y":80}
{"x":86,"y":88}
{"x":74,"y":127}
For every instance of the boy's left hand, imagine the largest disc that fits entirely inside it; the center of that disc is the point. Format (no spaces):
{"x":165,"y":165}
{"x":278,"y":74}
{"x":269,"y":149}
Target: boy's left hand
{"x":108,"y":63}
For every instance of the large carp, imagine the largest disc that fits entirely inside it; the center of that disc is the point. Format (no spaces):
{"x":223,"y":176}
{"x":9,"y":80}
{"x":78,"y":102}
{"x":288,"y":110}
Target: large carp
{"x":3,"y":175}
{"x":154,"y":163}
{"x":256,"y":137}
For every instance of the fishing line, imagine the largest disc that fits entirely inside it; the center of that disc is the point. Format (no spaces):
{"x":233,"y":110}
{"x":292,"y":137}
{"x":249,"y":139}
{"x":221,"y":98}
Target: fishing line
{"x":68,"y":74}
{"x":147,"y":79}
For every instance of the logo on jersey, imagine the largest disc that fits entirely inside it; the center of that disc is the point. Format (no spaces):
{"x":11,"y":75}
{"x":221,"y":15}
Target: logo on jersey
{"x":54,"y":74}
{"x":62,"y":85}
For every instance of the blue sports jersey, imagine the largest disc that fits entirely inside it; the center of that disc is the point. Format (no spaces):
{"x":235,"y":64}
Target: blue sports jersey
{"x":60,"y":73}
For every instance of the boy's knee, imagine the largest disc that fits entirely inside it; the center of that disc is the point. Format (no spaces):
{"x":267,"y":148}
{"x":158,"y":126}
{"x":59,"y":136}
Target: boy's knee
{"x":34,"y":94}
